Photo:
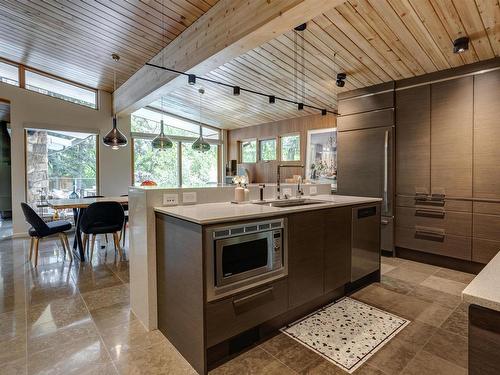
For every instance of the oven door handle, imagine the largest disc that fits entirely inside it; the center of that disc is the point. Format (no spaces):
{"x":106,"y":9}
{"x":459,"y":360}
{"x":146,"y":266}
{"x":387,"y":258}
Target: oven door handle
{"x":238,"y":303}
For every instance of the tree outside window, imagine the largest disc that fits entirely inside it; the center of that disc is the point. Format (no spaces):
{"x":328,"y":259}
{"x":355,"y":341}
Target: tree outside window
{"x":267,"y":148}
{"x":290,"y":147}
{"x":159,"y":166}
{"x":249,"y":151}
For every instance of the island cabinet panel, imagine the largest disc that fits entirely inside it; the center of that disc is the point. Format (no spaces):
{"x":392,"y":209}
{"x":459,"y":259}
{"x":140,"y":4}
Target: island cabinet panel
{"x":487,"y":135}
{"x":306,"y":244}
{"x":413,"y":141}
{"x":451,"y":137}
{"x":338,"y":224}
{"x":180,"y":283}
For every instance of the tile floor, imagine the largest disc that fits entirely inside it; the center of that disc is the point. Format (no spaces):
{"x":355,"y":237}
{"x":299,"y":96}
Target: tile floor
{"x":64,"y":318}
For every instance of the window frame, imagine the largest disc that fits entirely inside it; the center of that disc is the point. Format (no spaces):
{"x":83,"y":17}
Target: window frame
{"x":18,"y":67}
{"x":256,"y":150}
{"x":259,"y":154}
{"x":281,"y":147}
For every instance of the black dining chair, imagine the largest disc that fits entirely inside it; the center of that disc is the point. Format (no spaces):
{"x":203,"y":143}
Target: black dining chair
{"x":40,"y":229}
{"x":83,"y":209}
{"x":102,"y":218}
{"x":124,"y":230}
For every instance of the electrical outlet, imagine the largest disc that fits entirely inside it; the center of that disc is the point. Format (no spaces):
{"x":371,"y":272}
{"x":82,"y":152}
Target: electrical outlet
{"x":170,"y":199}
{"x":287,"y":191}
{"x":189,"y":197}
{"x":313,"y":190}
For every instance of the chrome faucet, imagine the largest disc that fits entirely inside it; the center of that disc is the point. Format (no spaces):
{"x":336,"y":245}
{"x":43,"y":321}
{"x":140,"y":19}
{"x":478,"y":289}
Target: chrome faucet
{"x":278,"y":185}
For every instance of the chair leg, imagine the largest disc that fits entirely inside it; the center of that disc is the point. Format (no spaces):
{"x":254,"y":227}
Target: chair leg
{"x":92,"y":248}
{"x":117,"y":244}
{"x":63,"y":244}
{"x":124,"y":233}
{"x":31,"y":246}
{"x":85,"y":241}
{"x":70,"y":253}
{"x":36,"y":242}
{"x":106,"y":237}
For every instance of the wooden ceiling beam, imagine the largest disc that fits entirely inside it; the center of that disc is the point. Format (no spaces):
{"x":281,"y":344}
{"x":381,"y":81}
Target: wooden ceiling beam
{"x":227,"y":30}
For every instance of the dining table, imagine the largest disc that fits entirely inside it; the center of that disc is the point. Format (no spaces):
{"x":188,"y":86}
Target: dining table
{"x":78,"y":205}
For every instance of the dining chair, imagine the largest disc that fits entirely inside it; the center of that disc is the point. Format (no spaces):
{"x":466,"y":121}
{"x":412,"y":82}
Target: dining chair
{"x":125,"y":222}
{"x":83,"y":209}
{"x":40,"y":229}
{"x":102,"y":218}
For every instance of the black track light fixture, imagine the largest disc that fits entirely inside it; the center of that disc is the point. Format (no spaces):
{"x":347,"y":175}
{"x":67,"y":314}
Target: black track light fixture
{"x":323,"y":112}
{"x":300,"y":106}
{"x":272,"y":99}
{"x":341,"y":79}
{"x":191,"y":79}
{"x":301,"y":27}
{"x":461,"y":44}
{"x":236,"y":90}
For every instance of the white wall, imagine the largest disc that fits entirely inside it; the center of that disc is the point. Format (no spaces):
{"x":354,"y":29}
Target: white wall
{"x":34,"y":110}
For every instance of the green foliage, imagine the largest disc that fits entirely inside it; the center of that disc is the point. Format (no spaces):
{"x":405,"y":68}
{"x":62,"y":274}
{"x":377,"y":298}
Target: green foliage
{"x":290,"y":148}
{"x":198,"y":168}
{"x":157,"y":165}
{"x":268,"y":149}
{"x":249,"y":151}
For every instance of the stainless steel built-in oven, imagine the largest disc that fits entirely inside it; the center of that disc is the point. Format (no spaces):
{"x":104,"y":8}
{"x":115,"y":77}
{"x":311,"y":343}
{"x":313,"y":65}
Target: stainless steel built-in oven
{"x":244,"y":256}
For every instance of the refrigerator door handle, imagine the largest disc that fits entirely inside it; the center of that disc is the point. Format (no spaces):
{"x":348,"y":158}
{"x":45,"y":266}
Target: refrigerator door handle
{"x":386,"y":172}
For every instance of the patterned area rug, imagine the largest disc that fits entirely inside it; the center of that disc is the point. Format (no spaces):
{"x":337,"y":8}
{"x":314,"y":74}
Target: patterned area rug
{"x":347,"y":332}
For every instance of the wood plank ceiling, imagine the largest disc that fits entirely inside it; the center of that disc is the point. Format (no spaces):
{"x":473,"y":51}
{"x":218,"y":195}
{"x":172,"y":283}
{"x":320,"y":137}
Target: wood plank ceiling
{"x":74,"y":39}
{"x":373,"y":41}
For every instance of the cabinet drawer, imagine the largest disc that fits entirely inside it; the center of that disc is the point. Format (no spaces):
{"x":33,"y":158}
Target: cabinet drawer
{"x":486,"y":227}
{"x":231,"y":316}
{"x":372,"y":119}
{"x":457,"y":223}
{"x":484,"y":250}
{"x":431,"y":241}
{"x":365,"y":103}
{"x":447,"y":204}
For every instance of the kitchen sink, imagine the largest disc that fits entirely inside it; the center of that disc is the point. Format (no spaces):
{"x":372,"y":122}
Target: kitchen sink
{"x":289,"y":202}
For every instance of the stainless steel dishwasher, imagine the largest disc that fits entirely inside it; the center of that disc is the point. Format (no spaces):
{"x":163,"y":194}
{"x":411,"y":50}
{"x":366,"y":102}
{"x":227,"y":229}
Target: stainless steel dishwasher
{"x":365,"y":241}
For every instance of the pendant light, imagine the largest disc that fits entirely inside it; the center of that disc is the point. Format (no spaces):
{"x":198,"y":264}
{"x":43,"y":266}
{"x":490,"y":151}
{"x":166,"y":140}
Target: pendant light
{"x":200,"y":144}
{"x":161,"y":141}
{"x":115,"y":139}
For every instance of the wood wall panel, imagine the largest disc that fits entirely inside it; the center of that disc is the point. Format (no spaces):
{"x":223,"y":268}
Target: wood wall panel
{"x":266,"y":171}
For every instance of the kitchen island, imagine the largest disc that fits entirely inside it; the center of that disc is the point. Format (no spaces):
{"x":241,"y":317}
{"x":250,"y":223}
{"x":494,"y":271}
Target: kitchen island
{"x":230,"y":274}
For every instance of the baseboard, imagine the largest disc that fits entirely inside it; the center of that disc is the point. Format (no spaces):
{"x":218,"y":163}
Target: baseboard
{"x":439,"y":260}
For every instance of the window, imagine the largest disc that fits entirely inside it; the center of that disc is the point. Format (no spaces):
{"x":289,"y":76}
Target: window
{"x":180,"y":165}
{"x":267,"y":149}
{"x":9,"y":74}
{"x":59,"y":89}
{"x":159,"y":166}
{"x":290,"y":147}
{"x":249,"y":151}
{"x":198,"y":168}
{"x":59,"y":165}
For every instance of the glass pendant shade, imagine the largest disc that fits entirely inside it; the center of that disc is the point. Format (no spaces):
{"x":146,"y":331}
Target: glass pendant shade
{"x":200,"y":144}
{"x":161,"y":141}
{"x":115,"y":139}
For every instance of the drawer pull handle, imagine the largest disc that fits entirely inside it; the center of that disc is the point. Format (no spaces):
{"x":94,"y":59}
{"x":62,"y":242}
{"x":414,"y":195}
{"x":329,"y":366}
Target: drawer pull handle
{"x":430,"y":235}
{"x":244,"y":300}
{"x":430,"y":213}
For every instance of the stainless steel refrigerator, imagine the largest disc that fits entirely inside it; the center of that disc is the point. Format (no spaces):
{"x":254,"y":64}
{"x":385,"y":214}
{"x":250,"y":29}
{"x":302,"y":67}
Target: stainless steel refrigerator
{"x":365,"y":150}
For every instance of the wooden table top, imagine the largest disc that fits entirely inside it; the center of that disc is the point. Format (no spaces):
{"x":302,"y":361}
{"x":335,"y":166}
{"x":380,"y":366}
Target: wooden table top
{"x":83,"y":202}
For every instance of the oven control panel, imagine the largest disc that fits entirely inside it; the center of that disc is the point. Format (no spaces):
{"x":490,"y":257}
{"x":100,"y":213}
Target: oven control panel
{"x":277,"y":249}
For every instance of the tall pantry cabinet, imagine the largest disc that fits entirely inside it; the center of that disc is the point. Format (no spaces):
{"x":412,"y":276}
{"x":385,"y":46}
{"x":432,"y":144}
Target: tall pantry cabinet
{"x":448,"y":167}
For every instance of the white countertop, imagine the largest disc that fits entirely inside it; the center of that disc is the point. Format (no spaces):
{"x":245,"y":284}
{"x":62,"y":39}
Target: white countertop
{"x":484,"y":290}
{"x":210,"y":213}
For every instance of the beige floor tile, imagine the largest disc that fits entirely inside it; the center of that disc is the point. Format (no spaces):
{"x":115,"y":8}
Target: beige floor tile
{"x":396,"y":285}
{"x":458,"y":321}
{"x":416,"y":334}
{"x":377,"y":296}
{"x":61,"y":312}
{"x":161,"y":359}
{"x":18,"y":367}
{"x":111,"y":316}
{"x":253,"y":362}
{"x":13,"y":349}
{"x":444,"y":285}
{"x":76,"y":357}
{"x":130,"y":337}
{"x":417,"y":309}
{"x":420,"y":267}
{"x":393,"y":357}
{"x":408,"y":275}
{"x":393,"y":261}
{"x":107,"y":296}
{"x":323,"y":367}
{"x":425,"y":363}
{"x":12,"y":323}
{"x":448,"y":346}
{"x":433,"y":295}
{"x":384,"y":268}
{"x":461,"y":277}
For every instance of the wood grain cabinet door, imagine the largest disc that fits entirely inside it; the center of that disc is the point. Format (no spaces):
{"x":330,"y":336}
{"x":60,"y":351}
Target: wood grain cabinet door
{"x":337,"y":247}
{"x":305,"y":257}
{"x":413,"y":140}
{"x":451,"y":137}
{"x":487,"y":135}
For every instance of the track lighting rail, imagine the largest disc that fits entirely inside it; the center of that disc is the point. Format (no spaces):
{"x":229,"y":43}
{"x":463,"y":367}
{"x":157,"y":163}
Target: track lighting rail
{"x":237,"y":89}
